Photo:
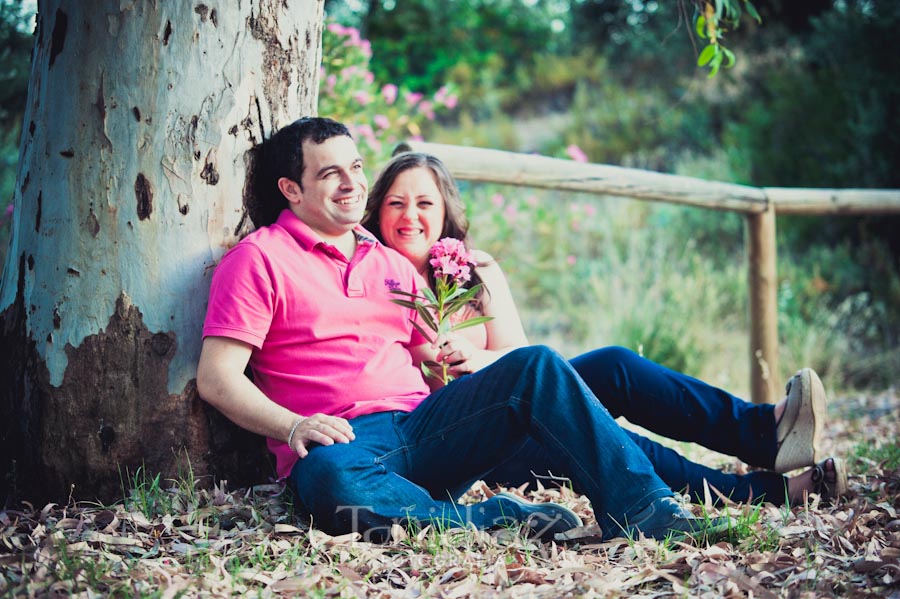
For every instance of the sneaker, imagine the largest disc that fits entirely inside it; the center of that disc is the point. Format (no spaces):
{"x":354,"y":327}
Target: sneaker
{"x":799,"y":431}
{"x":544,"y":519}
{"x":665,"y":518}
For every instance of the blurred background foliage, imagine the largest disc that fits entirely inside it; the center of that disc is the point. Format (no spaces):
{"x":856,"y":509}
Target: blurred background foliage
{"x":813,"y":101}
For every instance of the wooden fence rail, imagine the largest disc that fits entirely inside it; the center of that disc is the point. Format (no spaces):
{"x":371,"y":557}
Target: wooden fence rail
{"x":759,"y":205}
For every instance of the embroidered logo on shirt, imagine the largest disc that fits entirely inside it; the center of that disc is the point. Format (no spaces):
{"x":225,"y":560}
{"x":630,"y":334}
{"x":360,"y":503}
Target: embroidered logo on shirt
{"x":391,"y":284}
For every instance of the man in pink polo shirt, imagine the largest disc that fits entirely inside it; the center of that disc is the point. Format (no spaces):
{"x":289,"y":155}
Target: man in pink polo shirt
{"x":305,"y":300}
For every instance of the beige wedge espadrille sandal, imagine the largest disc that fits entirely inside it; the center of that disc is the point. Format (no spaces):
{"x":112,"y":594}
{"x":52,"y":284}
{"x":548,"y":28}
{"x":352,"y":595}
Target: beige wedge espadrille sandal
{"x":799,"y":432}
{"x":830,"y":490}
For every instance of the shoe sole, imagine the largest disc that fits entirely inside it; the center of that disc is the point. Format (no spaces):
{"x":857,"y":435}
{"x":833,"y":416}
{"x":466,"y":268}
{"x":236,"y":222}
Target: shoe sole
{"x":841,"y":487}
{"x":794,"y":452}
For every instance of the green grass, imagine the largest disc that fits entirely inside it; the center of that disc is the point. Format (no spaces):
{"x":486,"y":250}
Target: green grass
{"x":864,"y":456}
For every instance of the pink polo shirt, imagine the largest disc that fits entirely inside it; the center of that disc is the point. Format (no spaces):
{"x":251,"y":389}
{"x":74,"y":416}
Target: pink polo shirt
{"x":326,"y":336}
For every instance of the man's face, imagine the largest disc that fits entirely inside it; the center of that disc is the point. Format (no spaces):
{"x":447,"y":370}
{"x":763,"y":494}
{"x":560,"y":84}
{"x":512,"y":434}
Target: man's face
{"x":334,"y":187}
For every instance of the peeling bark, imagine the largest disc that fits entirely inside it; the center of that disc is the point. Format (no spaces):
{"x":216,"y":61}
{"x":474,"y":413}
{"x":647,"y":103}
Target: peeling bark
{"x":135,"y":139}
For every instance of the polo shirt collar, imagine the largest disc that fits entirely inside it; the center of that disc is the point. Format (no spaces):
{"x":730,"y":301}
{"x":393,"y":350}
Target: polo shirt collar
{"x":307,"y":238}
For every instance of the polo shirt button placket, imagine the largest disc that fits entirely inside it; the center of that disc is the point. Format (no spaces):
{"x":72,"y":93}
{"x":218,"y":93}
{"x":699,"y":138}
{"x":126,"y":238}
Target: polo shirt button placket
{"x":354,"y":285}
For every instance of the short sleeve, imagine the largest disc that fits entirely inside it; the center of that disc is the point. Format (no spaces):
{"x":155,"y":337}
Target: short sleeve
{"x":241,"y":297}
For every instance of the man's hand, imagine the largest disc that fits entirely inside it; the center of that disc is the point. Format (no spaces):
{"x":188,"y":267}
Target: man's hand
{"x":321,"y":429}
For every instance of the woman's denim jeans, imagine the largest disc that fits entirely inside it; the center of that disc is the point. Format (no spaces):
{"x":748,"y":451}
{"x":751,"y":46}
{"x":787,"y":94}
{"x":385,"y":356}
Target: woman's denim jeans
{"x":408,"y":467}
{"x":679,"y":407}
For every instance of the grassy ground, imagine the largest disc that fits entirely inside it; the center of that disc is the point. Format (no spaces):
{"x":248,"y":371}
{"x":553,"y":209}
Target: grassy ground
{"x":171,"y":539}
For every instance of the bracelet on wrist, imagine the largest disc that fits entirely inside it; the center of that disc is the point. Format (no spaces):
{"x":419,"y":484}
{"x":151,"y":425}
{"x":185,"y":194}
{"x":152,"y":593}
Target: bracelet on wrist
{"x":294,"y":430}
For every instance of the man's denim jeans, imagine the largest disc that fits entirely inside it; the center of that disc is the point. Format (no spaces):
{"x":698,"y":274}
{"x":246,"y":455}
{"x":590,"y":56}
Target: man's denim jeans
{"x":410,"y":466}
{"x":678,"y":407}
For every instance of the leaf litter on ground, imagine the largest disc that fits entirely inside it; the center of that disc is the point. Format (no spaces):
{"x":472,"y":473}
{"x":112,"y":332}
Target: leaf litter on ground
{"x":221,"y":542}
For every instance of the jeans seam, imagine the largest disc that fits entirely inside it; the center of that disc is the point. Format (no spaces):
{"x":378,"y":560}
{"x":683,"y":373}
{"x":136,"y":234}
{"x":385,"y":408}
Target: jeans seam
{"x":454,"y":426}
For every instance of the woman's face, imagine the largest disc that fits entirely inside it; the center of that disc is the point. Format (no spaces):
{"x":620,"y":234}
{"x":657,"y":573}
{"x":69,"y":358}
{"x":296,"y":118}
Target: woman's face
{"x":412,"y":214}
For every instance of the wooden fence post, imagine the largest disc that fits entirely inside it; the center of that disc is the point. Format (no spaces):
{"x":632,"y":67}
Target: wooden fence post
{"x":763,"y":289}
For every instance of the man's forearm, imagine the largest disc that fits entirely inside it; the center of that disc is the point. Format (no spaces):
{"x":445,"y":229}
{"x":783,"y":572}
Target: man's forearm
{"x":221,"y":382}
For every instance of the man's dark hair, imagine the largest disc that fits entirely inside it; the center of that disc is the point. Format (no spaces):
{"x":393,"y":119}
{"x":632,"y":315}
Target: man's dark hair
{"x":281,"y":156}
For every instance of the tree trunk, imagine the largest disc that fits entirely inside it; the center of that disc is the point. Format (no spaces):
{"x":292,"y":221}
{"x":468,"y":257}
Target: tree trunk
{"x":128,"y":192}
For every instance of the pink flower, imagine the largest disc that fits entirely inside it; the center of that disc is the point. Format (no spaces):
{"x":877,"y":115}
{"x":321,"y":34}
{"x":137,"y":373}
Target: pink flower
{"x":330,"y":82}
{"x":427,"y":108}
{"x":576,"y":153}
{"x":412,"y":98}
{"x":389,"y":93}
{"x":366,"y":48}
{"x":511,"y":212}
{"x":451,"y":101}
{"x":366,"y":131}
{"x":353,"y":34}
{"x":498,"y":200}
{"x":531,"y":201}
{"x":362,"y":97}
{"x":571,"y":260}
{"x":349,"y":72}
{"x":450,"y":258}
{"x":381,"y":121}
{"x":590,"y":210}
{"x":335,"y":28}
{"x":369,"y":77}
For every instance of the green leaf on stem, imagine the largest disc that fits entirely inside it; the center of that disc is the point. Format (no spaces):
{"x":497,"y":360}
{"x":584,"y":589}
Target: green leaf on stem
{"x":425,"y":314}
{"x":700,"y":27}
{"x":422,"y":331}
{"x":751,"y":10}
{"x":405,"y":303}
{"x":707,"y":54}
{"x":429,"y":295}
{"x":715,"y":63}
{"x":406,"y":293}
{"x":729,"y":57}
{"x":471,"y":322}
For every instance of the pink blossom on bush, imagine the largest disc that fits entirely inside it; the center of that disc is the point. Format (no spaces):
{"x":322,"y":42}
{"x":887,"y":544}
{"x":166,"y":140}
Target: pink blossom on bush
{"x":412,"y":98}
{"x":498,"y":200}
{"x":366,"y":131}
{"x":576,"y":153}
{"x":366,"y":48}
{"x":444,"y":97}
{"x":362,"y":97}
{"x":511,"y":212}
{"x":427,"y":109}
{"x":381,"y":121}
{"x":335,"y":28}
{"x":532,"y":201}
{"x":590,"y":210}
{"x":330,"y":82}
{"x":369,"y":77}
{"x":389,"y":93}
{"x":349,"y":72}
{"x":353,"y":34}
{"x":417,"y":138}
{"x":571,"y":260}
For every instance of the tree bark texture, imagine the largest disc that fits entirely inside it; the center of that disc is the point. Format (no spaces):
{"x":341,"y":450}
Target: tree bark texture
{"x":128,"y":192}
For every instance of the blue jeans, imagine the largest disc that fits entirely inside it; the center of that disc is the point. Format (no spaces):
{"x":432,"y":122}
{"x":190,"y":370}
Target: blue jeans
{"x":679,"y":407}
{"x":410,"y":467}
